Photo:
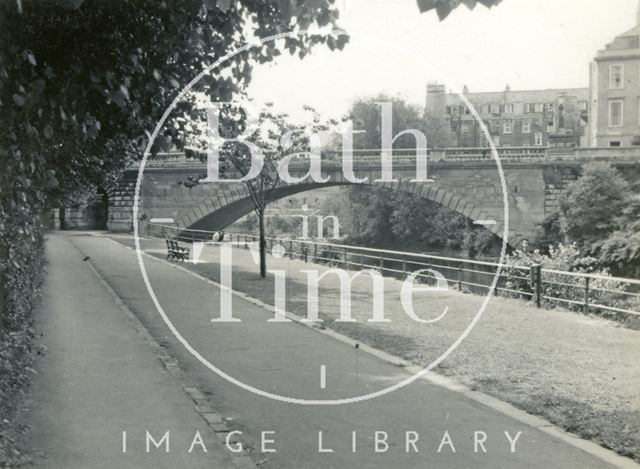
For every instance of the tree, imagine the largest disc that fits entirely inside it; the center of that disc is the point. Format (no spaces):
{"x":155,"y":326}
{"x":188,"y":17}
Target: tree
{"x":590,"y":206}
{"x":438,"y":132}
{"x":275,"y":137}
{"x":621,"y":250}
{"x":83,"y":81}
{"x":366,"y":114}
{"x":370,"y":215}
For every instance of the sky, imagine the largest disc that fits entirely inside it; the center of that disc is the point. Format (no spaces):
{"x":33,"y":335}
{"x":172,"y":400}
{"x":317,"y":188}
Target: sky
{"x":527,"y":44}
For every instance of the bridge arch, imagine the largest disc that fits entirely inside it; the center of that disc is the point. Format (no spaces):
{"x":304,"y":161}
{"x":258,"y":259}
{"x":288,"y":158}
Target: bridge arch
{"x":234,"y":202}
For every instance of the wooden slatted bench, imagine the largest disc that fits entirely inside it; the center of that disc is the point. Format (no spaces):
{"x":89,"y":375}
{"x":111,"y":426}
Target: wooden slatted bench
{"x":177,"y":252}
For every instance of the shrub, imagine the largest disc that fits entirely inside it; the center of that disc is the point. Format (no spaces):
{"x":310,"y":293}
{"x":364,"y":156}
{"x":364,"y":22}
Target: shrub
{"x":568,"y":259}
{"x":592,"y":203}
{"x":21,"y":274}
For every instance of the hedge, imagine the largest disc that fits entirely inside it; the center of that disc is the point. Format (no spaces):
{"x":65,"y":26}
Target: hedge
{"x":22,"y":266}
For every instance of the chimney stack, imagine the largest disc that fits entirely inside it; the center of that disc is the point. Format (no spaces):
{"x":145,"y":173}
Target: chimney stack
{"x":436,"y":102}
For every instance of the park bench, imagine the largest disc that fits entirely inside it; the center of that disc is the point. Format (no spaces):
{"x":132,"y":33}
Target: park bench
{"x":175,"y":251}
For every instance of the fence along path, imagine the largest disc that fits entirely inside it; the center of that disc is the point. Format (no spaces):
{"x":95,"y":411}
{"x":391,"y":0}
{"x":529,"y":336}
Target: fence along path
{"x":574,"y":290}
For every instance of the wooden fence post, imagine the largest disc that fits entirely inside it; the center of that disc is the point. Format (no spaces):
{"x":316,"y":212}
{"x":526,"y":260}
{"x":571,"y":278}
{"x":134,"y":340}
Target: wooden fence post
{"x":586,"y":295}
{"x":536,"y":280}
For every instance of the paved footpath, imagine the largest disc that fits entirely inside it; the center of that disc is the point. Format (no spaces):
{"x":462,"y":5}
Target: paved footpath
{"x":82,"y":422}
{"x":99,"y":378}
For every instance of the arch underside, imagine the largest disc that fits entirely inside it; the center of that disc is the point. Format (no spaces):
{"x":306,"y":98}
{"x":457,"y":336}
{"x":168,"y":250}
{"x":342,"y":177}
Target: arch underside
{"x":232,"y":205}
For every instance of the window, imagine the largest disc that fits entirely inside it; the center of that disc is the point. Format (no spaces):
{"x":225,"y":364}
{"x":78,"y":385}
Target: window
{"x":616,"y":76}
{"x":537,"y":138}
{"x":616,"y":108}
{"x":615,"y":143}
{"x":454,"y":110}
{"x":485,"y":109}
{"x":526,"y":126}
{"x":495,"y":126}
{"x":495,"y":109}
{"x":539,"y":107}
{"x":527,"y":108}
{"x":507,"y":126}
{"x":508,"y":108}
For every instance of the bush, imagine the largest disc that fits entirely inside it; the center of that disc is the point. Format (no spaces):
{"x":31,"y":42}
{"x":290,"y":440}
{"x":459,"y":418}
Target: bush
{"x":592,"y":203}
{"x":21,"y":275}
{"x":568,"y":259}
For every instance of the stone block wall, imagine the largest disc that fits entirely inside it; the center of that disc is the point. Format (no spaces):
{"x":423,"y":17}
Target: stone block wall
{"x":556,"y":180}
{"x":121,"y":206}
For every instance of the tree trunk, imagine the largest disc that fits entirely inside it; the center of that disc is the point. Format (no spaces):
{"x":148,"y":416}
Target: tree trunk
{"x":263,"y":246}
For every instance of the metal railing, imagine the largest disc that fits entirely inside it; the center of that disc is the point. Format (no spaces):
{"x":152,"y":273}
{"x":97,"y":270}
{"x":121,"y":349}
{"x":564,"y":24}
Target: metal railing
{"x":574,"y":290}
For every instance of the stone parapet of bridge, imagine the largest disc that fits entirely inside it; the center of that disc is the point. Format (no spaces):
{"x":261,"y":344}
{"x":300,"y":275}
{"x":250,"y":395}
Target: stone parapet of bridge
{"x":406,"y":157}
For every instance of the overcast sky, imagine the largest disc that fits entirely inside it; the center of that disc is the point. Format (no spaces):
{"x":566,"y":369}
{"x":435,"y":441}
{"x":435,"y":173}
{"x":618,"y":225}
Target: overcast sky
{"x":529,"y":44}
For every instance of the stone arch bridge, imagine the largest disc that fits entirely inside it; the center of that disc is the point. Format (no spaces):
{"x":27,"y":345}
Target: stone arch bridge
{"x":464,"y":180}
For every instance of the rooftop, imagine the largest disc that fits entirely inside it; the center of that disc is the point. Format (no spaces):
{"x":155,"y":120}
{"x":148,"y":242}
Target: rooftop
{"x":521,"y":96}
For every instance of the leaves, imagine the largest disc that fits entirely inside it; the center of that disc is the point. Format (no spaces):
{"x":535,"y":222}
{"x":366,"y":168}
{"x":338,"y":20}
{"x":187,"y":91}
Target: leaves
{"x":223,"y":5}
{"x":18,"y":99}
{"x":445,"y":7}
{"x":590,"y":205}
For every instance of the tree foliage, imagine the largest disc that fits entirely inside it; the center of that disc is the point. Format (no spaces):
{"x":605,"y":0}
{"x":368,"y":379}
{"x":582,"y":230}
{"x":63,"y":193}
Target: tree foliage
{"x":620,"y":251}
{"x":445,"y":7}
{"x":590,"y":206}
{"x":84,"y":86}
{"x":382,"y":217}
{"x":366,"y":114}
{"x":600,"y":212}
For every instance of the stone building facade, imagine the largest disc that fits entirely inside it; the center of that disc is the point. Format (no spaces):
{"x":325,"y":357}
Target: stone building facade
{"x":554,"y":117}
{"x":615,"y":92}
